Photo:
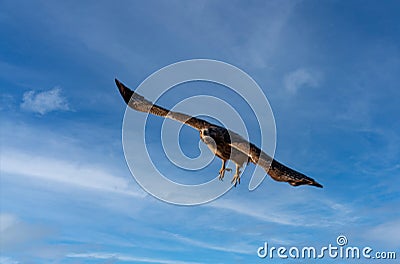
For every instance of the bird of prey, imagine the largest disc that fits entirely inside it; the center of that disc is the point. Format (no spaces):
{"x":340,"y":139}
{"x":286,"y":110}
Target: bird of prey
{"x":225,"y":144}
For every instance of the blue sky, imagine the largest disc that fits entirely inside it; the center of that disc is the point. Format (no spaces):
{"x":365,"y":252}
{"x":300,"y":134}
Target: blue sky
{"x":330,"y":70}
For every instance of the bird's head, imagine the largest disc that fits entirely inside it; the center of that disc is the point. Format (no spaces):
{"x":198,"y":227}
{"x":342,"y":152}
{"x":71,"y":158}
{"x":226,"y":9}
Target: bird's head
{"x":205,"y":135}
{"x":202,"y":134}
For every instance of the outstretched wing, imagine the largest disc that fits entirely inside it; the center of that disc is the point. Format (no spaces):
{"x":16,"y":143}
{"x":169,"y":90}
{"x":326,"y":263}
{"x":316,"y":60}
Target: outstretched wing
{"x":275,"y":169}
{"x":139,"y":103}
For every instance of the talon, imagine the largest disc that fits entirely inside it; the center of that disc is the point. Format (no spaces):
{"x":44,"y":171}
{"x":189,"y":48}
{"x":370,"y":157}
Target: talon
{"x":221,"y":175}
{"x":236,"y":177}
{"x":222,"y":170}
{"x":236,"y":180}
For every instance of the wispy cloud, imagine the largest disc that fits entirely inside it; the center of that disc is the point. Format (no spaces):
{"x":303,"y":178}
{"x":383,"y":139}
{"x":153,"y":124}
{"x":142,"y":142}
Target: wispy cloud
{"x":65,"y":171}
{"x":292,"y":212}
{"x":44,"y":102}
{"x":125,"y":258}
{"x":6,"y":220}
{"x":243,"y":209}
{"x":15,"y":233}
{"x":237,"y":248}
{"x":258,"y":37}
{"x":387,"y":233}
{"x":7,"y":260}
{"x":6,"y":101}
{"x":301,"y":78}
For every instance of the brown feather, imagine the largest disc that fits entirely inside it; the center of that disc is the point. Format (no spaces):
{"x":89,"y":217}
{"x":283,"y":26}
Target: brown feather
{"x":139,"y":103}
{"x":226,"y":144}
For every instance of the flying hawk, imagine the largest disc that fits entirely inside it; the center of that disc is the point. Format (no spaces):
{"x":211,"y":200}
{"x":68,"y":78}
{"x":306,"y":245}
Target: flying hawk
{"x":225,"y":144}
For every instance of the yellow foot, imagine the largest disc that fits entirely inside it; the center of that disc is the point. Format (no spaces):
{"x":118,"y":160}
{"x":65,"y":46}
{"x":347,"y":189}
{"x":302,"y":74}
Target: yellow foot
{"x":222,"y":173}
{"x":236,"y":179}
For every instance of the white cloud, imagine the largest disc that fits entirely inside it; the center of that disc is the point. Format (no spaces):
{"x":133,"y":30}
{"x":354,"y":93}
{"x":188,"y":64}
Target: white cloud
{"x":387,"y":233}
{"x":264,"y":34}
{"x":15,"y":233}
{"x":236,"y":248}
{"x":277,"y":217}
{"x":301,"y":78}
{"x":68,"y":172}
{"x":44,"y":102}
{"x":6,"y":101}
{"x":7,"y":260}
{"x":294,"y":211}
{"x":125,"y":258}
{"x":6,"y":221}
{"x":24,"y":239}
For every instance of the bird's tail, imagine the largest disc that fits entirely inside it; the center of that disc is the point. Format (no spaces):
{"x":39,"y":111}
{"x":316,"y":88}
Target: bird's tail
{"x":280,"y":172}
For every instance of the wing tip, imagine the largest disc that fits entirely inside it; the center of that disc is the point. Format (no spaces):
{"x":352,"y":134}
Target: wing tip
{"x":125,"y":92}
{"x":309,"y":181}
{"x":316,"y":184}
